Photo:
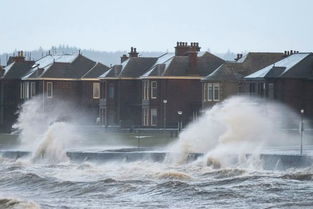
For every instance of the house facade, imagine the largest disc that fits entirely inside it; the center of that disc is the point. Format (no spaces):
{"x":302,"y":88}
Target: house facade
{"x":70,"y":79}
{"x":171,"y":89}
{"x":120,"y":103}
{"x":289,"y":81}
{"x":228,"y":79}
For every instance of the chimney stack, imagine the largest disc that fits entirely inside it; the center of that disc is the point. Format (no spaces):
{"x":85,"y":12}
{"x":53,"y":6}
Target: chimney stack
{"x":124,"y":58}
{"x":181,"y":49}
{"x":19,"y":58}
{"x":133,"y":52}
{"x":192,"y":54}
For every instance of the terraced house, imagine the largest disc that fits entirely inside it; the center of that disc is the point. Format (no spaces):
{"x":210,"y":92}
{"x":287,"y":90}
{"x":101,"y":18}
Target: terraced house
{"x":171,"y":92}
{"x":120,"y":103}
{"x":67,"y":78}
{"x":289,"y":81}
{"x":228,"y":79}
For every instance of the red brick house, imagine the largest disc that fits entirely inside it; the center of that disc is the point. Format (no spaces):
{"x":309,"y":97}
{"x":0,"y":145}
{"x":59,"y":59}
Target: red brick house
{"x":227,"y":80}
{"x":120,"y":103}
{"x":173,"y":86}
{"x":10,"y":80}
{"x":66,"y":78}
{"x":289,"y":81}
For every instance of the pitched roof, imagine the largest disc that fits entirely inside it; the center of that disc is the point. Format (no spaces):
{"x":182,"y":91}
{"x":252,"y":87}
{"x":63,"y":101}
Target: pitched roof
{"x":96,"y":70}
{"x":171,"y":65}
{"x":133,"y":67}
{"x":298,"y":65}
{"x":227,"y":72}
{"x":16,"y":70}
{"x":235,"y":71}
{"x":61,"y":66}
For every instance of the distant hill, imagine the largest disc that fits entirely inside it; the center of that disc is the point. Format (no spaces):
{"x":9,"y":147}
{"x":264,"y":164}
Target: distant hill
{"x":107,"y":58}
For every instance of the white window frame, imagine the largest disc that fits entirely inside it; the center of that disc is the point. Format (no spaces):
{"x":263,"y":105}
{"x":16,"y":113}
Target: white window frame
{"x":205,"y":92}
{"x":96,"y":90}
{"x":216,"y":95}
{"x":50,"y":94}
{"x":210,"y":92}
{"x":213,"y":92}
{"x":153,"y":88}
{"x":153,"y":113}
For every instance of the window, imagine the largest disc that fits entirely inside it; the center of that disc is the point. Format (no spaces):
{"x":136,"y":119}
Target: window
{"x":205,"y":92}
{"x":103,"y":90}
{"x":146,"y":90}
{"x":49,"y":89}
{"x":27,"y":90}
{"x":96,"y":90}
{"x":32,"y":89}
{"x":154,"y":85}
{"x":154,"y":119}
{"x":24,"y":90}
{"x":111,"y":90}
{"x":21,"y":91}
{"x":146,"y":117}
{"x":271,"y":90}
{"x":216,"y":87}
{"x":212,"y":90}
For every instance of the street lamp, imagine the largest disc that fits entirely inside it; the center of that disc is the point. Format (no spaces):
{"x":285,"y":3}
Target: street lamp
{"x":301,"y":132}
{"x":180,"y":123}
{"x":164,"y":122}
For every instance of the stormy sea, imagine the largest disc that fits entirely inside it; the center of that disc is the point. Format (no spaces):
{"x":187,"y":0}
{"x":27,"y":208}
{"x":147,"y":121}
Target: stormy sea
{"x":229,"y":173}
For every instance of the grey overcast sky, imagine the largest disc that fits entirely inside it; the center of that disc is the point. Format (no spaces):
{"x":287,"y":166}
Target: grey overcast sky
{"x":156,"y":25}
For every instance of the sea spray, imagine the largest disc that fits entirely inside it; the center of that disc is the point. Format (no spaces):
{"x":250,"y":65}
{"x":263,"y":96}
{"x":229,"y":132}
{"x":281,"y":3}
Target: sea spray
{"x":52,"y":146}
{"x":232,"y":131}
{"x":46,"y":133}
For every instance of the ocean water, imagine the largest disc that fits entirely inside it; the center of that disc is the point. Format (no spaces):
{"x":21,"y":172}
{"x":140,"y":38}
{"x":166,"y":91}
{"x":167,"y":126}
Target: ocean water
{"x":146,"y":184}
{"x":235,"y":127}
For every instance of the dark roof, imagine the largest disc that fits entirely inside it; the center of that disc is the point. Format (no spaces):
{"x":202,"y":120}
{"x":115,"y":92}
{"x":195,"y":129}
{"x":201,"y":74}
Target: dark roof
{"x":235,"y":71}
{"x":96,"y":71}
{"x":16,"y":70}
{"x":133,"y":67}
{"x":298,"y":65}
{"x":62,"y":66}
{"x":227,"y":72}
{"x":179,"y":65}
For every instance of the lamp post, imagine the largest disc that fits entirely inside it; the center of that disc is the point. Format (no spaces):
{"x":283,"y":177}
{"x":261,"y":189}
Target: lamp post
{"x":180,"y":124}
{"x":301,"y":132}
{"x":164,"y":122}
